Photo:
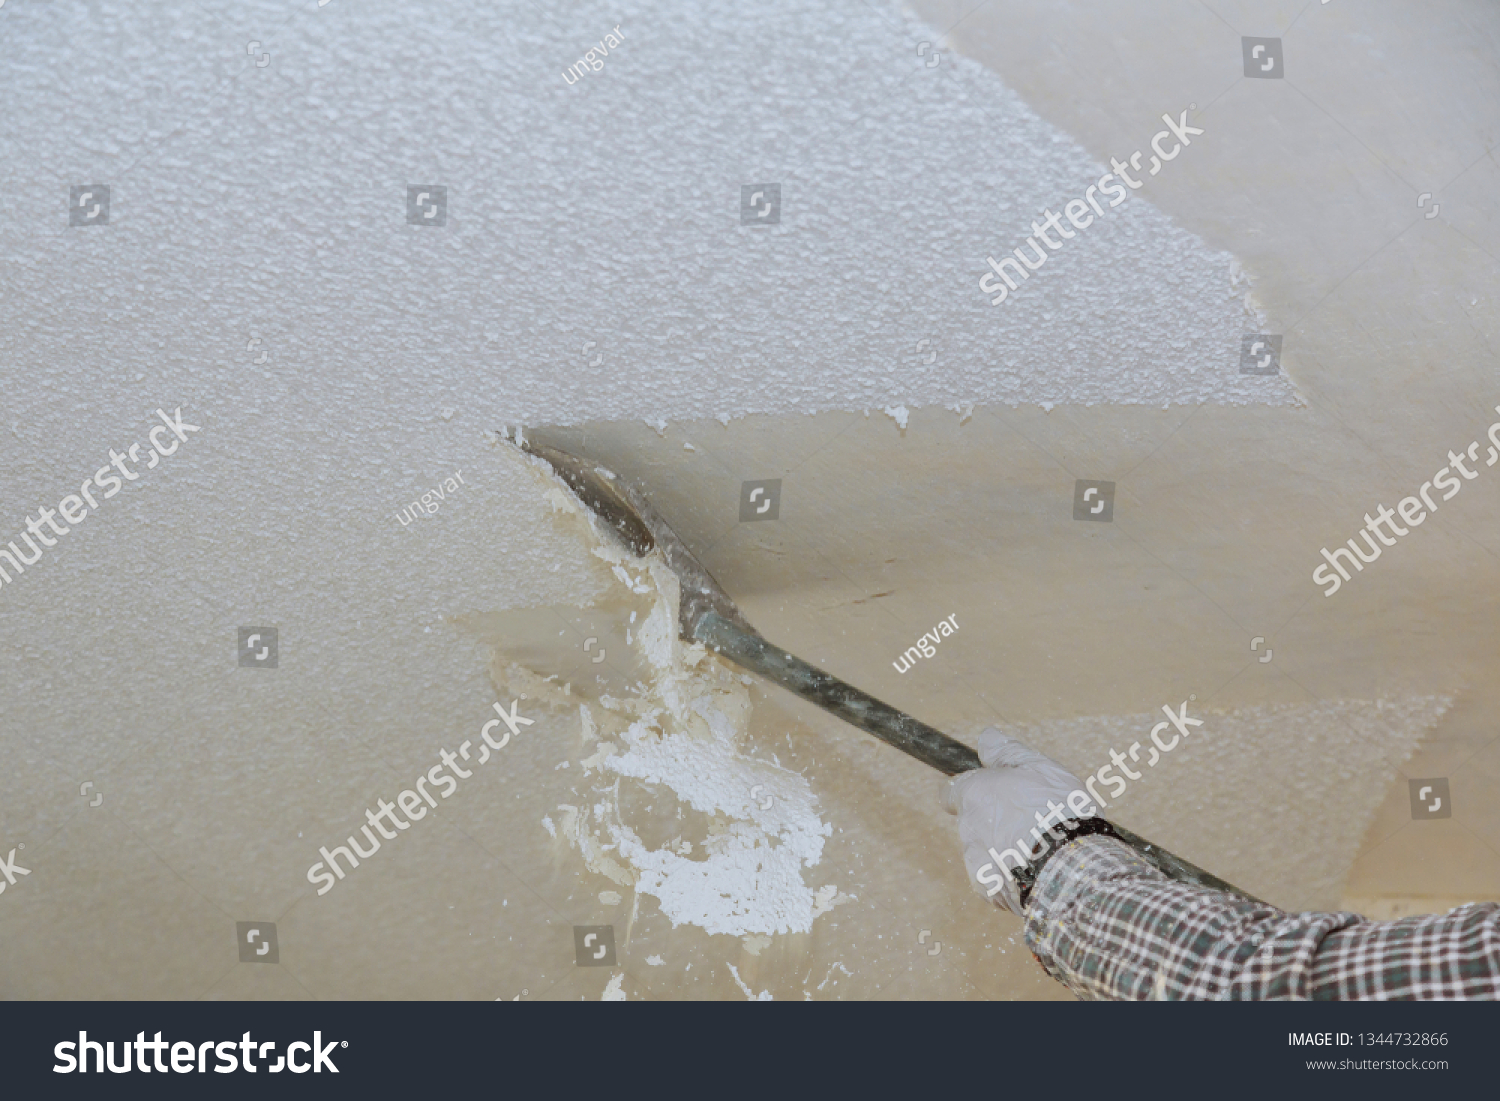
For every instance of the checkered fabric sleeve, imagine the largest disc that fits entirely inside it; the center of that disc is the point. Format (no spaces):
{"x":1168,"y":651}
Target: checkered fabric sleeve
{"x":1109,"y":926}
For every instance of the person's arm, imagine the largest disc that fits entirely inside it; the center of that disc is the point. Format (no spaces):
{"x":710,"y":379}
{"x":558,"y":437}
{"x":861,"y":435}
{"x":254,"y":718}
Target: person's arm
{"x":1109,"y":925}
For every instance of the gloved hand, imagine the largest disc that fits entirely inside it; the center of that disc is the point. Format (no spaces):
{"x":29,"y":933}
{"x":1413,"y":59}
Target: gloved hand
{"x":998,"y":805}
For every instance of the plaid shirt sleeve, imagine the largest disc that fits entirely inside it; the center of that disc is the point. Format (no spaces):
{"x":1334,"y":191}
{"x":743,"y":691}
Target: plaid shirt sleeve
{"x":1109,"y":926}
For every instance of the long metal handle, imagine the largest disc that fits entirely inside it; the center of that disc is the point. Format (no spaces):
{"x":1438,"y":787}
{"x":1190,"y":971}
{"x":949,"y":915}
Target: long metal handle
{"x":916,"y":739}
{"x":749,"y":650}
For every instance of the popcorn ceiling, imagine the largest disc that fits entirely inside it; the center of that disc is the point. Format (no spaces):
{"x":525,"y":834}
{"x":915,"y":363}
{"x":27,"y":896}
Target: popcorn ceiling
{"x":593,"y":265}
{"x":1275,"y":799}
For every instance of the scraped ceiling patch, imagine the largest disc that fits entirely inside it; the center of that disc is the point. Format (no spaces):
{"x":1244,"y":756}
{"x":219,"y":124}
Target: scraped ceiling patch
{"x":1275,"y":799}
{"x":679,"y":737}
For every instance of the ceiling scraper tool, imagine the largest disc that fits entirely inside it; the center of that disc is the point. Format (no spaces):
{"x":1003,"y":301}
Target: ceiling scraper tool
{"x":707,"y":615}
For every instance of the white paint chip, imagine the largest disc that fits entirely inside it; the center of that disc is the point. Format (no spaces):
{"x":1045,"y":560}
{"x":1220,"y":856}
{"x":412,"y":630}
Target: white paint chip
{"x":763,"y":996}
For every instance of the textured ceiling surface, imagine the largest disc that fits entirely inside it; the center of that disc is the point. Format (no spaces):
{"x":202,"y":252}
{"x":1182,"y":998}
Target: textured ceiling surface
{"x":261,"y":265}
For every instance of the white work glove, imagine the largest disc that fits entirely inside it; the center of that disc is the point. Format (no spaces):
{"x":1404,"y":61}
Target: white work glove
{"x":998,"y":804}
